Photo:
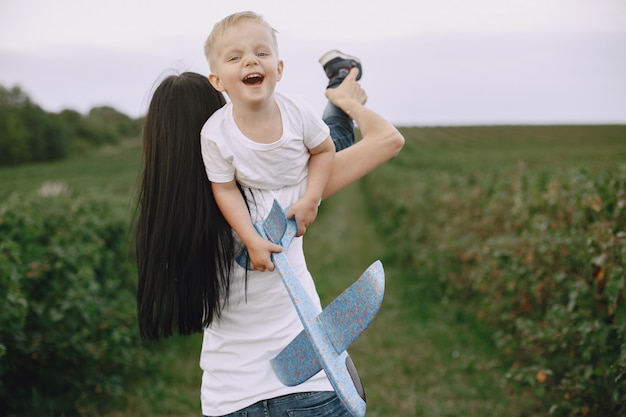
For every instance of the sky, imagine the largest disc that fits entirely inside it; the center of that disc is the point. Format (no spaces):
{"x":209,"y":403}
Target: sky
{"x":425,"y":62}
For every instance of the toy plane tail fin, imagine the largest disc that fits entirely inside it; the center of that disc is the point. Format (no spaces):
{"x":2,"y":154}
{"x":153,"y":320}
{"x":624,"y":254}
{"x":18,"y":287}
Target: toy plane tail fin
{"x":343,"y":320}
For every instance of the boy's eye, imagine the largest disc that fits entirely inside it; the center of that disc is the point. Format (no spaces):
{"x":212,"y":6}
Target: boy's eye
{"x":233,"y":58}
{"x":262,"y":54}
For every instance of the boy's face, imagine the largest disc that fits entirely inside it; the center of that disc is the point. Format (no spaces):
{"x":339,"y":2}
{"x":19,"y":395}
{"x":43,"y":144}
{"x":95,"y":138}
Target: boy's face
{"x":246,"y":64}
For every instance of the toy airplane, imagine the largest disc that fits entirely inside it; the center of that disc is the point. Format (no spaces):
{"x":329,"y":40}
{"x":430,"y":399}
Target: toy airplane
{"x":326,"y":335}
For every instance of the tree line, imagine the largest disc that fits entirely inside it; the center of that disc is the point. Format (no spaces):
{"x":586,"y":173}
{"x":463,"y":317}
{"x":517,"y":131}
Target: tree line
{"x":30,"y":134}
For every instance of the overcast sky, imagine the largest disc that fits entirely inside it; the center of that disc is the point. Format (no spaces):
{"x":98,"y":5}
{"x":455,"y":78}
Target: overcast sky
{"x":425,"y":62}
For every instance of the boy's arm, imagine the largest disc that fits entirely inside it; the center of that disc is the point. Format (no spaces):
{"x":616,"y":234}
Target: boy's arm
{"x":233,"y":207}
{"x":320,"y":168}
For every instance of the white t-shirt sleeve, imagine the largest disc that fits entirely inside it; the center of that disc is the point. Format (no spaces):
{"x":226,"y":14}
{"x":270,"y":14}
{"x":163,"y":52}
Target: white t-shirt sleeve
{"x":315,"y":130}
{"x":217,"y":158}
{"x":218,"y":168}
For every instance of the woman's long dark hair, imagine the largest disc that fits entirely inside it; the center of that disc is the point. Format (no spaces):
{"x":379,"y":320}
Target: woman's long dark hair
{"x":184,"y":245}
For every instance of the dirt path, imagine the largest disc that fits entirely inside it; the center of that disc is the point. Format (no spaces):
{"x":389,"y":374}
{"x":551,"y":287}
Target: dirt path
{"x":342,"y":242}
{"x":419,"y":357}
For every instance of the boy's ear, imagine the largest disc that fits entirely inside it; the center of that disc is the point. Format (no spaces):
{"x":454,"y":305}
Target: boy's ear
{"x":280,"y":68}
{"x":215,"y":81}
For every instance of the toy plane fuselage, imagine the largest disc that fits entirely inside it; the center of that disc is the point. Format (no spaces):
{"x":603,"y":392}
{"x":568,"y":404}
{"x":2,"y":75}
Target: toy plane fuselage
{"x":326,"y":335}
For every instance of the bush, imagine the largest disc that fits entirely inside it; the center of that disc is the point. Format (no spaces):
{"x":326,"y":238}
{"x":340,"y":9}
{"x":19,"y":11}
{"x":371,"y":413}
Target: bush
{"x":68,"y":333}
{"x":548,"y":272}
{"x":538,"y":255}
{"x":116,"y":124}
{"x":30,"y":134}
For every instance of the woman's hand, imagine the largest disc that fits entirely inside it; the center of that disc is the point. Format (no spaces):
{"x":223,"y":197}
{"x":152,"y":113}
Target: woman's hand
{"x":380,"y":140}
{"x":347,"y":94}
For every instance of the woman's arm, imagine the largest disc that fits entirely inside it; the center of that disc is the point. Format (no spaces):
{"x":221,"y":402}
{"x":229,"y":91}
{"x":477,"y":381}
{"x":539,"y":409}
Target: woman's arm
{"x":381,"y":140}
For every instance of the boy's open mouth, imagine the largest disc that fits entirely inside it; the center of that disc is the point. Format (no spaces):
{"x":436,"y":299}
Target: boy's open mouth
{"x":253,"y":79}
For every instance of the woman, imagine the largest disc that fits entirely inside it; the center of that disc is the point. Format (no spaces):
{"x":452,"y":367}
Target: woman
{"x":188,"y":278}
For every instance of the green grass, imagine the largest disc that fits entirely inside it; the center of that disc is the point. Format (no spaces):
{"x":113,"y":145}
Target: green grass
{"x":477,"y":150}
{"x":424,"y":355}
{"x":442,"y":196}
{"x":420,"y":357}
{"x":110,"y":172}
{"x":175,"y":391}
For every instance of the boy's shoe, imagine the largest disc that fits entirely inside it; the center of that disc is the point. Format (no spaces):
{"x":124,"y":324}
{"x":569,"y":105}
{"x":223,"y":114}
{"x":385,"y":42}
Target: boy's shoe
{"x":334,"y":61}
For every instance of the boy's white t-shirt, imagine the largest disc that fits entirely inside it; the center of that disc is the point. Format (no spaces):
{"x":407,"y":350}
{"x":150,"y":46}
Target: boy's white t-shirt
{"x":228,"y":153}
{"x":260,"y":320}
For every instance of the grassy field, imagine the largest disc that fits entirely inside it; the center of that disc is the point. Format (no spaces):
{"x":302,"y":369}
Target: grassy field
{"x":420,"y":357}
{"x":453,"y":200}
{"x":110,"y":171}
{"x":424,"y":355}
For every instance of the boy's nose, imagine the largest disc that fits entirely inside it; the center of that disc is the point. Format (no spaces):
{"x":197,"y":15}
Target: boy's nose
{"x":250,"y":59}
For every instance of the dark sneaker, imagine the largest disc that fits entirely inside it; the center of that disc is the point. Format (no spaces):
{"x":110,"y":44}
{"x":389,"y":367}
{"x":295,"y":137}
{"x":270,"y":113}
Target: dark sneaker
{"x":335,"y":61}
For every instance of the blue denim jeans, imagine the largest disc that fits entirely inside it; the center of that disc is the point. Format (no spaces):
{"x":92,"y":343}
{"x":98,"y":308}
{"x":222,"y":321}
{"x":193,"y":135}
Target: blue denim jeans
{"x":340,"y":124}
{"x":304,"y":404}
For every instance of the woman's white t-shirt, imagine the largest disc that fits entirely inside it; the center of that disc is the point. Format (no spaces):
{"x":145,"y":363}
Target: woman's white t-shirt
{"x":260,"y":320}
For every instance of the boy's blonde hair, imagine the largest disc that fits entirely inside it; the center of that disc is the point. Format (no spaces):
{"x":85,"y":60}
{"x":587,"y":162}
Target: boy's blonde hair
{"x":220,"y":28}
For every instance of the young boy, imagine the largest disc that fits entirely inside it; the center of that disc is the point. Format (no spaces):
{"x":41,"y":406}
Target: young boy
{"x":272,"y":145}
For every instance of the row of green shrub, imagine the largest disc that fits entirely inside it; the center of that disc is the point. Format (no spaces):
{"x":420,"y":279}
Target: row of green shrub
{"x":68,"y":332}
{"x":30,"y":134}
{"x":536,"y":254}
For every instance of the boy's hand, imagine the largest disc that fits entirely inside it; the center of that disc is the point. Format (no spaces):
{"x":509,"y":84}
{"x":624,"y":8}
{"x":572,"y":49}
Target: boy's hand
{"x":260,"y":251}
{"x":305,"y":212}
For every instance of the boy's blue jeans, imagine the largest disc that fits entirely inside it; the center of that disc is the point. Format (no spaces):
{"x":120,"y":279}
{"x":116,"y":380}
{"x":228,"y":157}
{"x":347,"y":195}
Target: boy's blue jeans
{"x":340,"y":124}
{"x":305,"y":404}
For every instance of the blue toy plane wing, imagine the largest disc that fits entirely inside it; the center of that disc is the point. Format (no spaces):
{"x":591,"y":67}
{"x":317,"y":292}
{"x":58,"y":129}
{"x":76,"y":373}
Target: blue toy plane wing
{"x":297,"y":362}
{"x":343,"y":320}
